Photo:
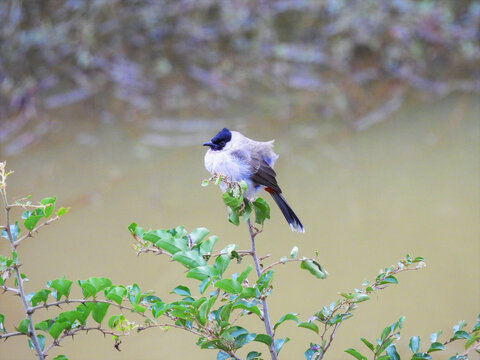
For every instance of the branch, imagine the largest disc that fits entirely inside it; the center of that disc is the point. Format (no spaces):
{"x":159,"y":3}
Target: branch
{"x":31,"y":330}
{"x":7,"y":335}
{"x":283,"y":262}
{"x":266,"y":316}
{"x":34,"y":230}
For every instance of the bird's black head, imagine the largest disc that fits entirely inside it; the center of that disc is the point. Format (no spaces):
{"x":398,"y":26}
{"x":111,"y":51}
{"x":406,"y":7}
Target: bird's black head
{"x":219,"y":141}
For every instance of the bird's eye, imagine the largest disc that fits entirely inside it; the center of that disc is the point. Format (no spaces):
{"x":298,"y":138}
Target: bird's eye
{"x":221,"y":143}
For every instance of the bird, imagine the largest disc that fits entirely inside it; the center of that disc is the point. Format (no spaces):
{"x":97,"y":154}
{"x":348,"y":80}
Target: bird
{"x":237,"y":157}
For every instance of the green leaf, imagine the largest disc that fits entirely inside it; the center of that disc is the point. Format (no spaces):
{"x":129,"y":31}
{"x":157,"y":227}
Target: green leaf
{"x":181,"y":290}
{"x":309,"y":325}
{"x":232,"y":201}
{"x":62,"y":287}
{"x":62,"y":211}
{"x":206,"y":246}
{"x":244,"y":274}
{"x":414,"y":344}
{"x":278,"y":344}
{"x":189,"y":259}
{"x":33,"y":219}
{"x":367,"y":343}
{"x":159,"y":308}
{"x":23,"y":326}
{"x":116,"y":293}
{"x":389,"y":280}
{"x":2,"y":325}
{"x":50,"y":205}
{"x":249,"y":292}
{"x":385,"y":333}
{"x":132,"y":227}
{"x":460,"y":334}
{"x":436,"y":346}
{"x":57,"y":328}
{"x":223,"y":356}
{"x":241,"y":304}
{"x":204,"y":310}
{"x":203,"y":272}
{"x":43,"y":325}
{"x":40,"y":296}
{"x":221,"y":263}
{"x":229,"y":286}
{"x":392,"y":352}
{"x":359,"y":297}
{"x":264,"y":280}
{"x":263,"y":338}
{"x":314,"y":268}
{"x":41,"y":342}
{"x":99,"y":311}
{"x":198,"y":235}
{"x":253,"y":355}
{"x":289,"y":316}
{"x":60,"y":357}
{"x":93,"y":285}
{"x":262,"y":210}
{"x":421,"y":356}
{"x":355,"y":354}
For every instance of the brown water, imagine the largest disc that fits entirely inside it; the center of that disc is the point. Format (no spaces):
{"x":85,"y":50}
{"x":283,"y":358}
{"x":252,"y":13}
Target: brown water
{"x":410,"y":185}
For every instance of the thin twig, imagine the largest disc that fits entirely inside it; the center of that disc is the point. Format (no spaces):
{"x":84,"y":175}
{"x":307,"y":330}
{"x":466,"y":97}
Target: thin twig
{"x":34,"y":230}
{"x":7,"y":335}
{"x":266,"y":316}
{"x":283,"y":262}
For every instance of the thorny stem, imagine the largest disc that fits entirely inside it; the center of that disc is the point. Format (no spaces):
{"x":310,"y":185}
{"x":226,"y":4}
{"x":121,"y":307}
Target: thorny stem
{"x":28,"y":312}
{"x":266,"y":316}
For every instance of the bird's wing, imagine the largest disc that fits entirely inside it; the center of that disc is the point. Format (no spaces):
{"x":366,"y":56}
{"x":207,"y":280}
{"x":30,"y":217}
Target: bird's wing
{"x":263,"y":174}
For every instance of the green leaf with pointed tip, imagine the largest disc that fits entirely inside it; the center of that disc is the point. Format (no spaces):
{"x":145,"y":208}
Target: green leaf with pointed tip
{"x":181,"y":290}
{"x":60,"y":357}
{"x":289,"y":316}
{"x":116,"y":293}
{"x":206,"y":246}
{"x":198,"y":235}
{"x":93,"y":285}
{"x":41,"y":342}
{"x":23,"y":326}
{"x":204,"y":310}
{"x":385,"y":333}
{"x":62,"y":211}
{"x":50,"y":205}
{"x":57,"y":328}
{"x":359,"y":297}
{"x":263,"y":338}
{"x":229,"y":286}
{"x":62,"y":287}
{"x":33,"y":219}
{"x":203,"y":272}
{"x":436,"y":346}
{"x":99,"y":311}
{"x":222,"y":262}
{"x":43,"y":325}
{"x":189,"y":259}
{"x":278,"y":344}
{"x":252,"y":355}
{"x":264,"y":280}
{"x":355,"y":354}
{"x":39,"y":296}
{"x":231,"y":201}
{"x":389,"y":280}
{"x":367,"y":343}
{"x":241,"y":278}
{"x":392,"y":352}
{"x":309,"y":325}
{"x":262,"y":210}
{"x":421,"y":356}
{"x":460,"y":334}
{"x":414,"y":344}
{"x":314,"y":268}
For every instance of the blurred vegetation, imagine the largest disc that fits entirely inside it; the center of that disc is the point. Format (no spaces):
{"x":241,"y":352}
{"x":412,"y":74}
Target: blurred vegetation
{"x":355,"y":55}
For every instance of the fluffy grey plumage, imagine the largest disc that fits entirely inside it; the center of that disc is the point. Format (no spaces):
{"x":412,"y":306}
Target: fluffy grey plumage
{"x":239,"y":158}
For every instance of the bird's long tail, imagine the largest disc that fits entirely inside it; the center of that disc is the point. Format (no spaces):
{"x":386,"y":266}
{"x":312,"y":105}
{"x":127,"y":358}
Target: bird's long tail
{"x":287,"y":211}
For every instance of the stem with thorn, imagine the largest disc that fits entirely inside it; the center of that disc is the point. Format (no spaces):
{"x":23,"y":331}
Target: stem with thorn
{"x":266,"y":316}
{"x":21,"y":292}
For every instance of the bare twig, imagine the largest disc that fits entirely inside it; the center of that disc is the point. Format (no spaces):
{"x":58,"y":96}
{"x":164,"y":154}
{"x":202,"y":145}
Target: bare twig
{"x":283,"y":262}
{"x":8,"y":335}
{"x":266,"y":316}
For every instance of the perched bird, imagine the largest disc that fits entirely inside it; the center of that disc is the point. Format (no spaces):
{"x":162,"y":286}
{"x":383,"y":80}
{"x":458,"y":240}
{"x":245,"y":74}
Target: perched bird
{"x":239,"y":158}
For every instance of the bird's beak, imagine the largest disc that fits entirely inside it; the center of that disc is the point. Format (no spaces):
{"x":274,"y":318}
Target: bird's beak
{"x":209,"y":143}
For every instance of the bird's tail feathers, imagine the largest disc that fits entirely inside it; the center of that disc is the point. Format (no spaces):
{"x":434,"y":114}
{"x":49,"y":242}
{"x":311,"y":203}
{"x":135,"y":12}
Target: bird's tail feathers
{"x":290,"y":216}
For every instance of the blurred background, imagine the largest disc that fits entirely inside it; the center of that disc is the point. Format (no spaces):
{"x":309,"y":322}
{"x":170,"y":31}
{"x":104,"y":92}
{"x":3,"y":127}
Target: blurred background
{"x":374,"y":106}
